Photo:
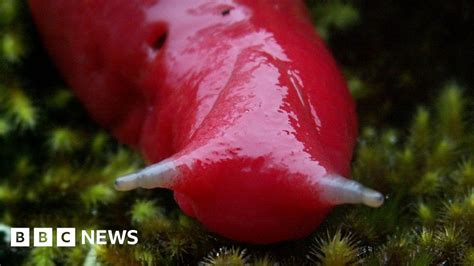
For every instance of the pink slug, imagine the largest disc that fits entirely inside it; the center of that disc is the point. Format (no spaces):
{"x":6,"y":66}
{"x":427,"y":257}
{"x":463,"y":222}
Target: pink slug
{"x":237,"y":104}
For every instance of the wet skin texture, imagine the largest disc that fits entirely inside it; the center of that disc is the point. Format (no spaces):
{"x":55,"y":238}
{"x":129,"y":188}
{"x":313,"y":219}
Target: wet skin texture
{"x":242,"y":96}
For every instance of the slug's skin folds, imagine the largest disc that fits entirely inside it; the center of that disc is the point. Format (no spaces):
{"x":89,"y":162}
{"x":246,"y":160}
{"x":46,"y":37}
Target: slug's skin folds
{"x":241,"y":98}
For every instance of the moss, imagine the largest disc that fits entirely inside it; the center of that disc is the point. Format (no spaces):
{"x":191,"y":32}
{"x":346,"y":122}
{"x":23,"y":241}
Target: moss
{"x":20,"y":109}
{"x":416,"y":143}
{"x":8,"y":11}
{"x":225,"y":256}
{"x":12,"y":47}
{"x":335,"y":250}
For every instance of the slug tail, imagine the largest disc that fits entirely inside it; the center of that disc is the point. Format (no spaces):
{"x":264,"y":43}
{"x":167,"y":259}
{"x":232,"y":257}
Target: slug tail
{"x":159,"y":175}
{"x":340,"y":190}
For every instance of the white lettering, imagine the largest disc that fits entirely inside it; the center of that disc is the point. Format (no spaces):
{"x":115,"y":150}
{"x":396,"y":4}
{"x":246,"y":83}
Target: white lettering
{"x":43,"y":237}
{"x":90,"y":237}
{"x":20,"y":237}
{"x":117,"y":236}
{"x":133,"y":238}
{"x":101,"y":237}
{"x":65,"y":237}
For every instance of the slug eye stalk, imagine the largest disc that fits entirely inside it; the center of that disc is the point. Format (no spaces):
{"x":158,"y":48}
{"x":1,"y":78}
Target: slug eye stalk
{"x":159,"y":175}
{"x":340,"y":190}
{"x":335,"y":188}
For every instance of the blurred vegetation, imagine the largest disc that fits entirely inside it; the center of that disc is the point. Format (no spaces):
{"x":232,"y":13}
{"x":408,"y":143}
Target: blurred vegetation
{"x":409,"y":65}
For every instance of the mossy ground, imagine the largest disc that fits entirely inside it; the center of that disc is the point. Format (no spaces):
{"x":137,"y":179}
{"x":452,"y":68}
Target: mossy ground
{"x":408,"y":65}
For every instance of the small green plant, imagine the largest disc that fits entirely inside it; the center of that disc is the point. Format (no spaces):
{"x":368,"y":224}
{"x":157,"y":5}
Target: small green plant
{"x":336,"y":250}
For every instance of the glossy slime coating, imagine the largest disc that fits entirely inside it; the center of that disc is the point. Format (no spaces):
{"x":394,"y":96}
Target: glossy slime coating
{"x":241,"y":98}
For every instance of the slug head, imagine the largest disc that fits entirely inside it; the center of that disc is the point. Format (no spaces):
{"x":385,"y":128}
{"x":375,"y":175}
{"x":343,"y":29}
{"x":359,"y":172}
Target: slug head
{"x":254,"y":200}
{"x":259,"y":157}
{"x":254,"y":114}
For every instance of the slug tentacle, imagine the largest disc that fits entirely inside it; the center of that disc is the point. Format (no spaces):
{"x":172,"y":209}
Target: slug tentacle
{"x":340,"y":190}
{"x":159,"y":175}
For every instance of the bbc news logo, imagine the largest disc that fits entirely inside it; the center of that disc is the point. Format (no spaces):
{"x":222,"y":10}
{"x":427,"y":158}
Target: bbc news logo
{"x":66,"y":237}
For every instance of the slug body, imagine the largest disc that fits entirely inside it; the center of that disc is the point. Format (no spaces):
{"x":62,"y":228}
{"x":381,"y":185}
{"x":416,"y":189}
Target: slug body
{"x":237,"y":104}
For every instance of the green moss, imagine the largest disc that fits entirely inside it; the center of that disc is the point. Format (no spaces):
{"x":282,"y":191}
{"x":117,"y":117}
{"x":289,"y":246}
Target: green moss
{"x":12,"y":48}
{"x":468,"y":258}
{"x":426,"y":214}
{"x":336,"y":250}
{"x":4,"y":127}
{"x":225,"y":256}
{"x":8,"y":11}
{"x":265,"y":260}
{"x":42,"y":257}
{"x":64,"y":140}
{"x":332,"y":15}
{"x":20,"y":109}
{"x":144,"y":211}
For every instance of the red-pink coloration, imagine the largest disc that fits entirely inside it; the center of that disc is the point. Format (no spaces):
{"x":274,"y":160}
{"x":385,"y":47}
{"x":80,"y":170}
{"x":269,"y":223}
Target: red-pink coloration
{"x":241,"y":96}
